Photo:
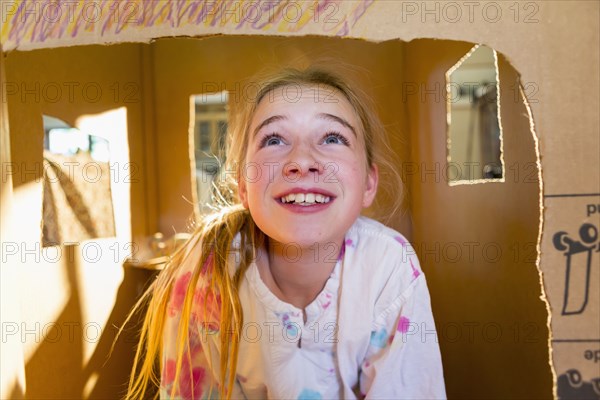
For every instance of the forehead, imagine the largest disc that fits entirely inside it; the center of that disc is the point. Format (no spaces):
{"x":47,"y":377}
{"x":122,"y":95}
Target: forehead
{"x":305,"y":99}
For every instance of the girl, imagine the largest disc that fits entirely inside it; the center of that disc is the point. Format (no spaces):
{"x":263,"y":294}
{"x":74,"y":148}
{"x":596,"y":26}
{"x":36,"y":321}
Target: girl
{"x":288,"y":292}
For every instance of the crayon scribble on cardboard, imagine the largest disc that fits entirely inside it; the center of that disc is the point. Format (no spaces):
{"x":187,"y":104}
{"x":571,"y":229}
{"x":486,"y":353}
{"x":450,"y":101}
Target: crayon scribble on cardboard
{"x":31,"y":22}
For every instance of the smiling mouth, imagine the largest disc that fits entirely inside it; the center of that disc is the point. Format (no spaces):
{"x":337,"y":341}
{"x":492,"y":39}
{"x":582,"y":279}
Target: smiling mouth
{"x":305,"y":199}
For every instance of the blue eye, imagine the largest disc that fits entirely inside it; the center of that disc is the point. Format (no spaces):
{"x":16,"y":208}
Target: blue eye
{"x":272,"y":139}
{"x":335,"y":138}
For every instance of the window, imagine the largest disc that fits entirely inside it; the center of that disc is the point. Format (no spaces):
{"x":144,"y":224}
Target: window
{"x":210,"y":130}
{"x":77,"y":202}
{"x":474,"y":130}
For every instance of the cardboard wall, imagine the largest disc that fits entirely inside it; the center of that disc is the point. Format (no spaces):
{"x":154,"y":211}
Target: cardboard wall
{"x":186,"y":67}
{"x":478,"y":242}
{"x":12,"y":372}
{"x":71,"y":297}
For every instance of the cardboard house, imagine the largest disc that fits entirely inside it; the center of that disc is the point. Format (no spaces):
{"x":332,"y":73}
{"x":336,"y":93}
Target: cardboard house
{"x":511,"y":251}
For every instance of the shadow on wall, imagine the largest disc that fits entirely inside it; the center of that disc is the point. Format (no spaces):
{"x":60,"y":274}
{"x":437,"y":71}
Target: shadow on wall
{"x":105,"y":375}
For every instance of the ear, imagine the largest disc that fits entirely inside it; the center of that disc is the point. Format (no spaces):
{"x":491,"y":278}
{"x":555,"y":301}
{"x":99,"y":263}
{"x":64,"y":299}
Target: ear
{"x":243,"y":192}
{"x":371,"y":186}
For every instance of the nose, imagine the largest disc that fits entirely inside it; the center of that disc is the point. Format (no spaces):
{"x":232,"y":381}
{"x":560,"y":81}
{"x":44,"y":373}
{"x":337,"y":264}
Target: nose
{"x":301,"y":163}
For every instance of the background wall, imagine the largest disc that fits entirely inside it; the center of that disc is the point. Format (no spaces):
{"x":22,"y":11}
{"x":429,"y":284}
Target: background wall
{"x":491,"y":322}
{"x":184,"y":67}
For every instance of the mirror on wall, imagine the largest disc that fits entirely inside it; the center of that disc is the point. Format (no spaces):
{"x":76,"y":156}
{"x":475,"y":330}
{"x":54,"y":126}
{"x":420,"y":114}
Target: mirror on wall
{"x":77,"y":202}
{"x":210,"y":119}
{"x":474,"y":128}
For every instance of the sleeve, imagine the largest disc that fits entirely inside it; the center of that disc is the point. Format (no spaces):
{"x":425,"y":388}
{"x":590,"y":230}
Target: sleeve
{"x":403,"y":359}
{"x":198,"y":376}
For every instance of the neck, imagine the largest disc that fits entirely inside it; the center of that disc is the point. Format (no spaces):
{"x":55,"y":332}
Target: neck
{"x":297,"y":274}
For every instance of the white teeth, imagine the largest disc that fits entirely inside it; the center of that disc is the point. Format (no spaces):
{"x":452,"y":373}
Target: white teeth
{"x":305,"y":198}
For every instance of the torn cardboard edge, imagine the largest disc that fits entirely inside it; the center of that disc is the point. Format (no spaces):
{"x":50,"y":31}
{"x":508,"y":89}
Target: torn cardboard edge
{"x":538,"y":245}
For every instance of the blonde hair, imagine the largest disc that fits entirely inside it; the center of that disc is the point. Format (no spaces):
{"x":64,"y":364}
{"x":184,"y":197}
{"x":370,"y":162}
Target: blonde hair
{"x":215,"y":234}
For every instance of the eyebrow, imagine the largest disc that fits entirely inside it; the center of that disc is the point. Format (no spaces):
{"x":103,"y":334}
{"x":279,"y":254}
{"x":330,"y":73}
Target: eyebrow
{"x":268,"y":121}
{"x":337,"y":119}
{"x":326,"y":116}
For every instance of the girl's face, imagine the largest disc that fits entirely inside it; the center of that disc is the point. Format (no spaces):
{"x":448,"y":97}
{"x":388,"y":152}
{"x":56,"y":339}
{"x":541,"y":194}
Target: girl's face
{"x":306,"y":179}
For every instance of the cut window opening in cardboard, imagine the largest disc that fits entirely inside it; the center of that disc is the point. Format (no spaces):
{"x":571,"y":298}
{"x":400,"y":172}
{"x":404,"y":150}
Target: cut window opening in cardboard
{"x":77,"y":202}
{"x":209,"y":116}
{"x":474,"y":132}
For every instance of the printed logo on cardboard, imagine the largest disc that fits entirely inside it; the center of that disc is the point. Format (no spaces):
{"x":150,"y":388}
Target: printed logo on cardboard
{"x":575,"y":269}
{"x":579,"y":253}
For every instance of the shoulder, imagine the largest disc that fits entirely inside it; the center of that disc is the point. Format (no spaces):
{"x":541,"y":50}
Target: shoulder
{"x":381,"y":261}
{"x":376,"y":241}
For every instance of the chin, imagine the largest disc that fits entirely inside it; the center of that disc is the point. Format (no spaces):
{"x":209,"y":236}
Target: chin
{"x":306,"y":241}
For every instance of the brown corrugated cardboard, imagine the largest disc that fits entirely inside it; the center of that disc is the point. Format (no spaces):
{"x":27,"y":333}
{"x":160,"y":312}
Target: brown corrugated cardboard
{"x":552,"y":46}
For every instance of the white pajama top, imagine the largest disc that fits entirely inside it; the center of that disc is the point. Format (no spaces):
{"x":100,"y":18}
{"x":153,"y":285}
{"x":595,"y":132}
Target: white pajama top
{"x":369,"y":333}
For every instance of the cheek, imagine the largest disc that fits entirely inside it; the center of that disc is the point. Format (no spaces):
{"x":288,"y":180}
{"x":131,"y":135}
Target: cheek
{"x":257,"y":180}
{"x":353,"y":173}
{"x":251,"y":174}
